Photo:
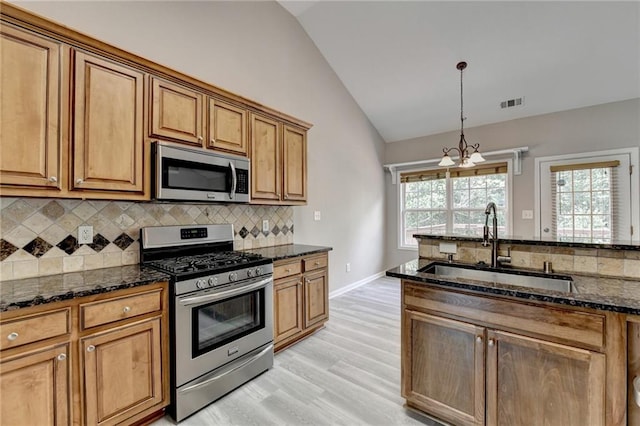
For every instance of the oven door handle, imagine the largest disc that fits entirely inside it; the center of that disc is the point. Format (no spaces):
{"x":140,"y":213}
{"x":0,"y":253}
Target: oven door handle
{"x":196,"y":300}
{"x":207,"y":380}
{"x":234,"y":180}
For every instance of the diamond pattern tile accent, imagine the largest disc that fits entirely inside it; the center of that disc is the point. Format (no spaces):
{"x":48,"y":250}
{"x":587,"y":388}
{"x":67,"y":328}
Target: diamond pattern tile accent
{"x":123,"y":241}
{"x":6,"y":249}
{"x":285,"y":229}
{"x":53,"y":210}
{"x":99,"y":242}
{"x":243,"y":232}
{"x":37,"y":247}
{"x":69,"y":245}
{"x":255,"y":232}
{"x":275,"y":231}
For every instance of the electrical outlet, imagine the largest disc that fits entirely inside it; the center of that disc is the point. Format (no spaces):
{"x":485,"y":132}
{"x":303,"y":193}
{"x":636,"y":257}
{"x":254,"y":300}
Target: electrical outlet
{"x":316,"y":215}
{"x":85,"y":234}
{"x":527,"y":214}
{"x":265,"y":225}
{"x":348,"y":267}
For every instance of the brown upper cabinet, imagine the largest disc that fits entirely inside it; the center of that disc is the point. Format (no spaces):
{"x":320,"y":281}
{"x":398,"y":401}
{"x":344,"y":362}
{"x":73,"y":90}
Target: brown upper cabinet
{"x":227,"y":127}
{"x":30,"y":107}
{"x":108,"y":137}
{"x":278,"y":162}
{"x":176,"y":112}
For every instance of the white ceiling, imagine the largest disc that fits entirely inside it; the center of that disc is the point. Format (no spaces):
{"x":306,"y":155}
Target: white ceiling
{"x":398,"y":58}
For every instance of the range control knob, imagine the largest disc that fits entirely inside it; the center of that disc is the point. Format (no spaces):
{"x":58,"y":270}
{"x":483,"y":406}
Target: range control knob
{"x":233,"y":276}
{"x":251,"y":273}
{"x":258,"y":270}
{"x":213,"y":281}
{"x":201,"y":284}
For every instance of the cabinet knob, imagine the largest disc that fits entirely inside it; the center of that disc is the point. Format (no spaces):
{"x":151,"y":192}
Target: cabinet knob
{"x":12,"y":336}
{"x":213,"y":140}
{"x":200,"y":138}
{"x":479,"y":339}
{"x":492,"y":342}
{"x":126,"y":309}
{"x":91,"y":348}
{"x":62,"y":357}
{"x":317,"y":264}
{"x":287,"y":270}
{"x":53,"y":179}
{"x":79,"y":181}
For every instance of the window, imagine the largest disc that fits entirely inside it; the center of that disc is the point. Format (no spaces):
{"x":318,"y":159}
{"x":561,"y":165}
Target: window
{"x":440,"y":202}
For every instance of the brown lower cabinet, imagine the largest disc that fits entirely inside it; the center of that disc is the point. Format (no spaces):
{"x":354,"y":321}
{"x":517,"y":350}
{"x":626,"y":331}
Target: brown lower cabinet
{"x":473,"y":360}
{"x":301,"y":298}
{"x":633,"y":370}
{"x":96,"y":360}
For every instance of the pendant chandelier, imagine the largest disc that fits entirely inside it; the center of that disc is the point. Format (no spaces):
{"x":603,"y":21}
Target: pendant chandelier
{"x":463,"y":148}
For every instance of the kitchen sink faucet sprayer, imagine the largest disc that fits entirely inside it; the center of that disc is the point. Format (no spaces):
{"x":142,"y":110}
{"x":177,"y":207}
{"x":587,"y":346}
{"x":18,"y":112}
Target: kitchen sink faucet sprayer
{"x":495,"y":259}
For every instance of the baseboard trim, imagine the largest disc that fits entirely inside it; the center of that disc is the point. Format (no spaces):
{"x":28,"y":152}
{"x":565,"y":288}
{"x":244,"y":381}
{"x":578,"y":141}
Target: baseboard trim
{"x":355,"y":285}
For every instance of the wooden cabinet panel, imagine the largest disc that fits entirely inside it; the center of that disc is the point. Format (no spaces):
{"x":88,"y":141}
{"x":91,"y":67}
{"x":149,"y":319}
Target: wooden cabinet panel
{"x":227,"y":127}
{"x":287,"y":269}
{"x":35,"y":388}
{"x":104,"y":312}
{"x":317,"y":262}
{"x":34,"y":328}
{"x":108,"y":125}
{"x":531,"y":381}
{"x":633,"y":370}
{"x":287,"y":296}
{"x":316,"y":298}
{"x":266,"y":169}
{"x":30,"y":76}
{"x":176,"y":112}
{"x":122,"y":372}
{"x":294,"y":164}
{"x":443,"y":367}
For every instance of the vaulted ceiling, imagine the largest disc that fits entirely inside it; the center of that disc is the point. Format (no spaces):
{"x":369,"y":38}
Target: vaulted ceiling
{"x":398,"y":58}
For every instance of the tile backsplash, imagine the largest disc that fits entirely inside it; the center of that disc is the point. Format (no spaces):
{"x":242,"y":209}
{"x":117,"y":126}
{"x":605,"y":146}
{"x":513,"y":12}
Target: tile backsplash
{"x":38,"y":236}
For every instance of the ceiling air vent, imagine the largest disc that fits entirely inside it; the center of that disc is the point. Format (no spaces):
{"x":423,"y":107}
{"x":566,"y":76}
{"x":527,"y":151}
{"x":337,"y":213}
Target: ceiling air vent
{"x":512,"y":103}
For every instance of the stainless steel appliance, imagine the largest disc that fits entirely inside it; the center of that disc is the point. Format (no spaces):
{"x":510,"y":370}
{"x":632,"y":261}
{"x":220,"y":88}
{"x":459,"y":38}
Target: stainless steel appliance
{"x":194,"y":174}
{"x":221,"y":311}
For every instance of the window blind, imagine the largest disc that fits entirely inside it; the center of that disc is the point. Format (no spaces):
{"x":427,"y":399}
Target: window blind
{"x":425,"y":175}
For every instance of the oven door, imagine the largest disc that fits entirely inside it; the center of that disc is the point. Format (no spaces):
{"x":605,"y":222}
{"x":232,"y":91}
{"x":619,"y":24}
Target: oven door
{"x":198,"y":175}
{"x":217,"y":325}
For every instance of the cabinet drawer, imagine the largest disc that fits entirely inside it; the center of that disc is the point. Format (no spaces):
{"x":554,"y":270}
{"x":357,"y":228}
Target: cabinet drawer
{"x":287,"y":269}
{"x":34,"y":328}
{"x":317,"y":262}
{"x":106,"y":311}
{"x":563,"y":325}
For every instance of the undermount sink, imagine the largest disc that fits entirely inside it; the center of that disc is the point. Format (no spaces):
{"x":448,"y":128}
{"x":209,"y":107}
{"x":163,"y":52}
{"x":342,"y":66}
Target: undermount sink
{"x":513,"y":277}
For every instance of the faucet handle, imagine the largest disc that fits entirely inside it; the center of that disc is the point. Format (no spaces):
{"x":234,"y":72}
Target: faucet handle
{"x":507,"y":258}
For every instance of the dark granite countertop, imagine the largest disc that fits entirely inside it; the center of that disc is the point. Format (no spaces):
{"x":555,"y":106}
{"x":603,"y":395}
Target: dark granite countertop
{"x":575,"y":242}
{"x":590,"y":291}
{"x":26,"y":292}
{"x":288,"y":250}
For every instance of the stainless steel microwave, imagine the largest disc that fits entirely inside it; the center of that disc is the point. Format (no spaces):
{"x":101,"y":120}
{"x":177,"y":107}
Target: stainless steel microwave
{"x":193,"y":174}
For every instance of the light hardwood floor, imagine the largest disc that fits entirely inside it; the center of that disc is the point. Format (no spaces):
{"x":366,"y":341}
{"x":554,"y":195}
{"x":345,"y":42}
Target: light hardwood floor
{"x":345,"y":374}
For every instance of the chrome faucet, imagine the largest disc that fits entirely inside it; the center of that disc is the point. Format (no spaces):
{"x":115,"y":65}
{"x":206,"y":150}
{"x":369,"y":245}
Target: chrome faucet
{"x":493,"y":235}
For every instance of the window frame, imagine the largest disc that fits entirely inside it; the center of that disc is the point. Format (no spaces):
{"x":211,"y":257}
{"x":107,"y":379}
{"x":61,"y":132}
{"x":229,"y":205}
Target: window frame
{"x":449,"y":209}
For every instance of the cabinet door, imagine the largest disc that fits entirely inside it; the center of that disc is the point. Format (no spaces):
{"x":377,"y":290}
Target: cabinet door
{"x":533,"y":382}
{"x":176,"y":112}
{"x":227,"y":127}
{"x":633,"y":371}
{"x":122,"y":372}
{"x":34,"y":388}
{"x":287,"y":304}
{"x":443,"y":367}
{"x":108,"y":125}
{"x":294,"y":164}
{"x":316,"y":298}
{"x":29,"y":109}
{"x":266,"y":169}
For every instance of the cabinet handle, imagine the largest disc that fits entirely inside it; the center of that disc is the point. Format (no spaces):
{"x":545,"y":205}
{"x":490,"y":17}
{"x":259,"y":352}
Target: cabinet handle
{"x":91,"y":348}
{"x":53,"y":179}
{"x":213,"y":140}
{"x":479,"y":339}
{"x":636,"y":390}
{"x":317,"y":264}
{"x":79,"y":181}
{"x":126,"y":309}
{"x":12,"y":336}
{"x":62,"y":357}
{"x":200,"y":138}
{"x":287,"y":270}
{"x":491,"y":342}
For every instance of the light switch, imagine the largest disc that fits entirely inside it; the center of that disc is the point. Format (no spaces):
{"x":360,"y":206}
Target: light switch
{"x":527,"y":214}
{"x":316,"y":215}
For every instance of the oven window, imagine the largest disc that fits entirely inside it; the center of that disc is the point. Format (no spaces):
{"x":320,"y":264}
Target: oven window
{"x":219,"y":323}
{"x":180,"y":174}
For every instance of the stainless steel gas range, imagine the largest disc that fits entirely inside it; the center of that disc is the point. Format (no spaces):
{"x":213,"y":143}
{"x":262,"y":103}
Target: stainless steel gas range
{"x":221,"y":311}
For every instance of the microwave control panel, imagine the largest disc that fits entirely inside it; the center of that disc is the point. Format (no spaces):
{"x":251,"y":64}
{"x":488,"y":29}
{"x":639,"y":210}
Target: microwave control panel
{"x":243,"y":181}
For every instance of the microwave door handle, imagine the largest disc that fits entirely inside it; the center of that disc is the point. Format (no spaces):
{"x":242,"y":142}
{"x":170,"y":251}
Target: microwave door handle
{"x":234,"y":180}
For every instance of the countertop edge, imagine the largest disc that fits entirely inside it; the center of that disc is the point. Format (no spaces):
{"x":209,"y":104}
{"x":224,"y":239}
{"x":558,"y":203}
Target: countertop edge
{"x":296,"y":250}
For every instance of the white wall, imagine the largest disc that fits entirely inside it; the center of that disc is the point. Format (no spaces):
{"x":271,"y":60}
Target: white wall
{"x":258,"y":50}
{"x":600,"y":127}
